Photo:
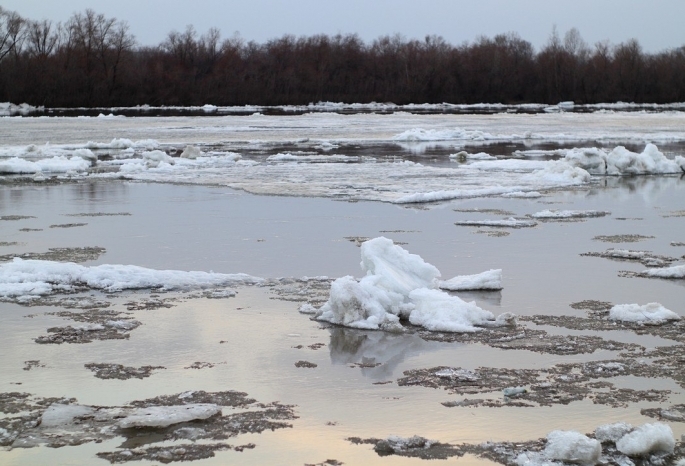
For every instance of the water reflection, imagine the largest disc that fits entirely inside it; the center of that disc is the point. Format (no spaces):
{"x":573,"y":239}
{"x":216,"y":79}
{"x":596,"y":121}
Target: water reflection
{"x":482,"y":298}
{"x":377,"y":353}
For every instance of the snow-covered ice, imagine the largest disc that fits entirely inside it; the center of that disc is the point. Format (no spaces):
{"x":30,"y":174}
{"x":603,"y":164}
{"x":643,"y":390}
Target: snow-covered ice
{"x":649,"y":313}
{"x":676,"y":271}
{"x":399,"y":285}
{"x":489,"y":280}
{"x":27,"y":278}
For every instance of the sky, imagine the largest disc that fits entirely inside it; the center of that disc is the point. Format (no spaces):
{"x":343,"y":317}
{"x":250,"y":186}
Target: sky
{"x":656,"y":24}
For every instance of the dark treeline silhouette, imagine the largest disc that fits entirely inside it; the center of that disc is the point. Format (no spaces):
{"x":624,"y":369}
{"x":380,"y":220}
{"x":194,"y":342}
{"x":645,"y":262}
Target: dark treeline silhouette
{"x":92,"y":60}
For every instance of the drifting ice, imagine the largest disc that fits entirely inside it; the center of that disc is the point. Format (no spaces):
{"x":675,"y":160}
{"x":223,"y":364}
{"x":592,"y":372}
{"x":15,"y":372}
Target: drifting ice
{"x":399,"y":285}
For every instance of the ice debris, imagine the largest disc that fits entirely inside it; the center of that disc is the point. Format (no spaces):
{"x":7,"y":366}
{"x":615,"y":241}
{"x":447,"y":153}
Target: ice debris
{"x":400,"y":286}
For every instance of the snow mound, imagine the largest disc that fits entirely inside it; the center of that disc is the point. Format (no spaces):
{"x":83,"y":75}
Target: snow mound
{"x":31,"y":278}
{"x":399,"y":285}
{"x":653,"y":313}
{"x":648,"y":438}
{"x":164,"y":416}
{"x":676,"y":271}
{"x":490,"y":280}
{"x":572,"y":447}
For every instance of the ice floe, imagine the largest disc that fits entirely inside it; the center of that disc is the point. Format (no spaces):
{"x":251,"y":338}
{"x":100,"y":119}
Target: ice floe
{"x":31,"y":278}
{"x":565,"y":214}
{"x":653,"y":313}
{"x":164,"y":416}
{"x":510,"y":222}
{"x":490,"y":280}
{"x":312,"y":158}
{"x":676,"y":271}
{"x":399,"y":286}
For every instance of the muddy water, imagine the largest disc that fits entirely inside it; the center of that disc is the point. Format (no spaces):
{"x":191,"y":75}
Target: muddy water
{"x":254,"y":340}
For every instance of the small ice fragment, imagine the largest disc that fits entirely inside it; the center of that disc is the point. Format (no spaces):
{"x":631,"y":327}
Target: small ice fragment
{"x":513,"y":391}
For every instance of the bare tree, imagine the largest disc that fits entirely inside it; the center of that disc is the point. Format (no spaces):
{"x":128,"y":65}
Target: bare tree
{"x":11,"y":32}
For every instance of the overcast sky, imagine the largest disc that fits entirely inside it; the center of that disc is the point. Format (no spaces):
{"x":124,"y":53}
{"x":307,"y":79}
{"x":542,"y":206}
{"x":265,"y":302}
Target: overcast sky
{"x":657,"y":24}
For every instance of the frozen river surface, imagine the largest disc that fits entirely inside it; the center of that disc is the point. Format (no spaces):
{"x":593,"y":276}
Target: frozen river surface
{"x":100,"y":317}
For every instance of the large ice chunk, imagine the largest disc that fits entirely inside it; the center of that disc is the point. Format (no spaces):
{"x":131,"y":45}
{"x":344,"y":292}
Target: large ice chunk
{"x":399,"y":285}
{"x":397,"y":269}
{"x":573,"y":447}
{"x":647,"y":438}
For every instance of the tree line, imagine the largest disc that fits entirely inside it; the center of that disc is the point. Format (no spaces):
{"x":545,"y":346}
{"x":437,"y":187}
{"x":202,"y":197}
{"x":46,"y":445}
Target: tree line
{"x":91,"y":60}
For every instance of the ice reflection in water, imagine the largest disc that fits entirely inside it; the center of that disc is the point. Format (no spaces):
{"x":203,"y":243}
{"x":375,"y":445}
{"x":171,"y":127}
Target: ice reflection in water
{"x":377,"y":353}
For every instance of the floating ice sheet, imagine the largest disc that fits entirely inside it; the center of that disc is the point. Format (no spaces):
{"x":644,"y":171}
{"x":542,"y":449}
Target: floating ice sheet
{"x":27,"y":278}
